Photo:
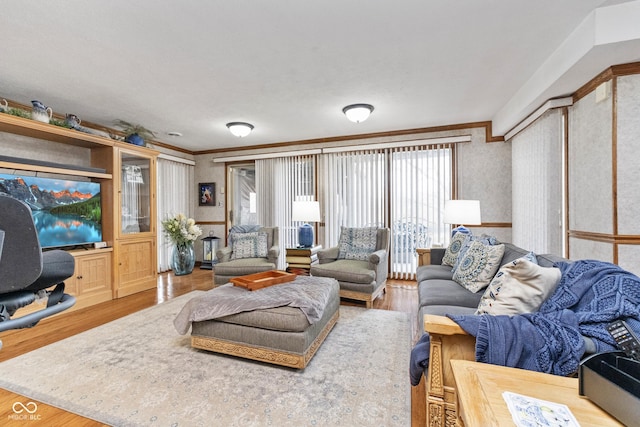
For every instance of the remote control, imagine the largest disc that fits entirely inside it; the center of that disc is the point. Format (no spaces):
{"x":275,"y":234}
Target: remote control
{"x":625,"y":338}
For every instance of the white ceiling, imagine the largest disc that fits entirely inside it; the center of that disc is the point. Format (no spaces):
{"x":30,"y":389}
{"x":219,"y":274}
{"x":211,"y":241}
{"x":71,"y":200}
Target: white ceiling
{"x":290,"y":66}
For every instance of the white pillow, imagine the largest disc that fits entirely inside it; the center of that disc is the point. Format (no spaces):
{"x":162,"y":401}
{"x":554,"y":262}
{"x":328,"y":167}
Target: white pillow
{"x":520,"y":286}
{"x":478,"y":266}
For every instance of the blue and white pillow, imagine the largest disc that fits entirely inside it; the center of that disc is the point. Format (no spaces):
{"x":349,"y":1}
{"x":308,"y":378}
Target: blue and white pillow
{"x":453,"y":250}
{"x":357,"y":243}
{"x":478,"y":266}
{"x":484,"y":239}
{"x":248,"y":245}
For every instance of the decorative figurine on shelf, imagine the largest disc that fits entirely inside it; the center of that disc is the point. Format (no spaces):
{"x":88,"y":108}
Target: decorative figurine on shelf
{"x":4,"y":108}
{"x":41,"y":112}
{"x":72,"y":121}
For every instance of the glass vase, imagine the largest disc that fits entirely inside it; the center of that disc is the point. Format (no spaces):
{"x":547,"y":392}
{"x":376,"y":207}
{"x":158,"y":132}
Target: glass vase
{"x":183,"y":259}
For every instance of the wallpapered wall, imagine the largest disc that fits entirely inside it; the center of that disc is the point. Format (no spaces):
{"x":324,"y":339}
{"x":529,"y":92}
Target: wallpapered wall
{"x":596,"y":161}
{"x":31,"y":148}
{"x":629,"y":169}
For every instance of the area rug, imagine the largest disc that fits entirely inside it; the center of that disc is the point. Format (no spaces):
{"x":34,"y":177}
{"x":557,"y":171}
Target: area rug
{"x":137,"y":371}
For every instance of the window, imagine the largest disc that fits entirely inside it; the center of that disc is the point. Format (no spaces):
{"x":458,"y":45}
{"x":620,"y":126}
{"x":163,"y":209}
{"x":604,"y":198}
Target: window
{"x":242,"y":197}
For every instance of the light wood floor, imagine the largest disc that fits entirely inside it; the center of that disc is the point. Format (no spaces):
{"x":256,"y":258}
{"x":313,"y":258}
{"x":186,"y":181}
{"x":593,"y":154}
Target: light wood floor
{"x":400,"y":296}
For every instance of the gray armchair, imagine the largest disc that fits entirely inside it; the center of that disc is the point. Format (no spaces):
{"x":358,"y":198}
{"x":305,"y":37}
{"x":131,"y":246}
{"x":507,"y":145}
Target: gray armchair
{"x":359,"y":279}
{"x":241,"y":260}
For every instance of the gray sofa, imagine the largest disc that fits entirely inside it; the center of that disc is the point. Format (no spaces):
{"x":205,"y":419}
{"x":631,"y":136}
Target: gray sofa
{"x":439,"y":294}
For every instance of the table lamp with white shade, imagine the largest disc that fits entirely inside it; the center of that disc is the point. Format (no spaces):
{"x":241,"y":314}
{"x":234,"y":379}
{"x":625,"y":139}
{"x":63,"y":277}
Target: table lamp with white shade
{"x":306,"y":211}
{"x":461,"y":213}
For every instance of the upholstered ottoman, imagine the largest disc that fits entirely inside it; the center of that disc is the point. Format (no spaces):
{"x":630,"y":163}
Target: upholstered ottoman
{"x":282,"y":334}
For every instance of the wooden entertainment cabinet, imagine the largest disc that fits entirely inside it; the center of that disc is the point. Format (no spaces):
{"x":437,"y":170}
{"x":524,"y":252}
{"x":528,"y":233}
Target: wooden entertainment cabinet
{"x":126,"y":174}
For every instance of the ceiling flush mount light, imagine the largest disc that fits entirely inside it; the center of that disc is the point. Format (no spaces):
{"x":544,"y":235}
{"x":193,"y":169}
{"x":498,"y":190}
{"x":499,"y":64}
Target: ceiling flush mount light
{"x":240,"y":129}
{"x":357,"y":112}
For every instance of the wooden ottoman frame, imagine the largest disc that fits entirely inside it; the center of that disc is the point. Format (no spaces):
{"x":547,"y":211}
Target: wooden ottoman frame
{"x":264,"y":354}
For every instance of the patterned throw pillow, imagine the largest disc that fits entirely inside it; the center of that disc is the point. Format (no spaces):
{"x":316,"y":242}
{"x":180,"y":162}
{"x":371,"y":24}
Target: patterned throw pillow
{"x":520,"y":286}
{"x":451,"y":254}
{"x":357,"y":243}
{"x":485,"y":239}
{"x":248,"y":245}
{"x":478,"y":266}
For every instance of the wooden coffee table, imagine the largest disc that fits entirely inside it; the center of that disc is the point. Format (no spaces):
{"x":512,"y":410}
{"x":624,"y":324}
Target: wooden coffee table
{"x":480,"y":401}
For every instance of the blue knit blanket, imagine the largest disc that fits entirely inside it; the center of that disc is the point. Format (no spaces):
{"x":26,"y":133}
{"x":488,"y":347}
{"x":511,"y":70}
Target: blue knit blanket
{"x":590,"y":295}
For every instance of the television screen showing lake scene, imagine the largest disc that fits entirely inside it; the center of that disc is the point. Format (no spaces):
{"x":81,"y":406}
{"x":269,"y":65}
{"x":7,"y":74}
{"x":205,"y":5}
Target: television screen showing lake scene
{"x":65,"y":212}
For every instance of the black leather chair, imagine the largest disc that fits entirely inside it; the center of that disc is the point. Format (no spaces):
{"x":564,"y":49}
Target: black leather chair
{"x":26,"y":272}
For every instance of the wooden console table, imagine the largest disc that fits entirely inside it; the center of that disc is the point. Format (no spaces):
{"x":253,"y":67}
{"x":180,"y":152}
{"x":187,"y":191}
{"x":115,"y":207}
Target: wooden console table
{"x":480,"y":401}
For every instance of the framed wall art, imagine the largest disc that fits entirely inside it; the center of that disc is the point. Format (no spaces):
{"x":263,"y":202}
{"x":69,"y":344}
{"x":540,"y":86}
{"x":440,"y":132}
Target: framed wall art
{"x":207,"y":194}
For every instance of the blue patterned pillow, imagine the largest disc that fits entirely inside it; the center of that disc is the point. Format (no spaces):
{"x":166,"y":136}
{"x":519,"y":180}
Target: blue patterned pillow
{"x":357,"y":243}
{"x":248,"y":245}
{"x":484,"y":239}
{"x":453,"y":250}
{"x":478,"y":266}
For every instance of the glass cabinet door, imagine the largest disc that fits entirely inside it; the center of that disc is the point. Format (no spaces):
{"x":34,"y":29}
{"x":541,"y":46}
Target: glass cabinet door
{"x":135,"y":195}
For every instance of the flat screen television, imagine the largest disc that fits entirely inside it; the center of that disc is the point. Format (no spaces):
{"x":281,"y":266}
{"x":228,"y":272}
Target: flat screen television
{"x":66,"y":212}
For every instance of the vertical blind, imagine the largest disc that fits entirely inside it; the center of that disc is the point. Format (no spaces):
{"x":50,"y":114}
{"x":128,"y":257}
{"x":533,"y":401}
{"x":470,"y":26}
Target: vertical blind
{"x":280,"y":182}
{"x":175,"y":194}
{"x":401,"y":188}
{"x":353,"y":192}
{"x":420,"y":183}
{"x":537,"y":213}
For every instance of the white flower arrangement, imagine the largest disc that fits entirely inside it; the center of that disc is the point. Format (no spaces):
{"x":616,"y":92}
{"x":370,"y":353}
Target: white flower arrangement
{"x":181,"y":230}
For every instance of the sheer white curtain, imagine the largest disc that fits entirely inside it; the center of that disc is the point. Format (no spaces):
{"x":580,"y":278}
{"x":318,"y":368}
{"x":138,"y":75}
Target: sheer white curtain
{"x":176,"y":193}
{"x":279,"y":182}
{"x":537,"y":173}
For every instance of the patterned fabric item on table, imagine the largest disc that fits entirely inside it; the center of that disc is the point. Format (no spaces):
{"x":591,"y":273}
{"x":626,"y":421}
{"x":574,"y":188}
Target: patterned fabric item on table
{"x":485,"y":239}
{"x":357,"y":243}
{"x":520,"y":286}
{"x":478,"y":266}
{"x":249,"y":245}
{"x":451,"y":254}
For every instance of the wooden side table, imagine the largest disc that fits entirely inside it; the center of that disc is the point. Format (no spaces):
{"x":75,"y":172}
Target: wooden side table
{"x":480,"y":387}
{"x":300,"y":260}
{"x":424,"y":256}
